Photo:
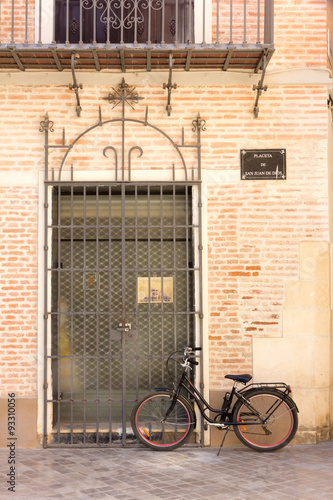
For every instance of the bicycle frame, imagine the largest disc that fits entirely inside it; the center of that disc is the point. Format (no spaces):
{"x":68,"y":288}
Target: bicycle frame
{"x":165,"y":419}
{"x":224,"y":412}
{"x":266,"y":408}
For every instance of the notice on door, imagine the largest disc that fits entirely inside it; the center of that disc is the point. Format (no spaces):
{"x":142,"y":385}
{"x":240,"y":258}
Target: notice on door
{"x":150,"y":290}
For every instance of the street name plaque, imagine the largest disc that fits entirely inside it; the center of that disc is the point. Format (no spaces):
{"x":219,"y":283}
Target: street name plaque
{"x":263,"y":164}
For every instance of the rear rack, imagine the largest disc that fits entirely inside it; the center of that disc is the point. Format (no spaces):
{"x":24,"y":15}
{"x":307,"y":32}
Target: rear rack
{"x":270,"y":385}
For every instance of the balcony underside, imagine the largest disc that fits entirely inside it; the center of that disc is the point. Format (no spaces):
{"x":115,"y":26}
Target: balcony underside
{"x":129,"y":58}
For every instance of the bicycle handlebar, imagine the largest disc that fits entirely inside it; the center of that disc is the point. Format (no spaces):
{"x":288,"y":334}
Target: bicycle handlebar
{"x":188,"y":350}
{"x":188,"y":355}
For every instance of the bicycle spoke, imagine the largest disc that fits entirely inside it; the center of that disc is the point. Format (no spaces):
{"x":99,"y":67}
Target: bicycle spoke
{"x":270,"y":424}
{"x":150,"y":427}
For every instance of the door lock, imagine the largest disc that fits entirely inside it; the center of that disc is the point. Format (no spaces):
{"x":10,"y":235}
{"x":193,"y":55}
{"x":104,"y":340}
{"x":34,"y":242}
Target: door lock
{"x":124,"y":332}
{"x":124,"y":327}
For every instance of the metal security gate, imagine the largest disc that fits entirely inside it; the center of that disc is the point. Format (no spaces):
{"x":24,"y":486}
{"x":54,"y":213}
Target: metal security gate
{"x":122,"y":291}
{"x":122,"y":301}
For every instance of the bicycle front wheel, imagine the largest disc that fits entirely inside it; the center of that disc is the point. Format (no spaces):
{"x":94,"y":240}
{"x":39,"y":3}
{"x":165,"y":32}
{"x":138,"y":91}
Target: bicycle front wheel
{"x":276,"y":424}
{"x":149,"y":427}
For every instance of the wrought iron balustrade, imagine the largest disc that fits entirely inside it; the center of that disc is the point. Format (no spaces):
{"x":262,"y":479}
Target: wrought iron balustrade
{"x":136,"y":21}
{"x":124,"y":21}
{"x":236,"y":29}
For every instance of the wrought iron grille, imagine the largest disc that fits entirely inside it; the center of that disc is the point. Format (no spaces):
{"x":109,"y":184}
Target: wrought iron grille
{"x":122,"y":301}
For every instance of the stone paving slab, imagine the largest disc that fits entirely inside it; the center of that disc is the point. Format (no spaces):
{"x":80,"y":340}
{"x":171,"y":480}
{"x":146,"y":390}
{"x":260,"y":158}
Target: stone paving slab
{"x":296,"y":472}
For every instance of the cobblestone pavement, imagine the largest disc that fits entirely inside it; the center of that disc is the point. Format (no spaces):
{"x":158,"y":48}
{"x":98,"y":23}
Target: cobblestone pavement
{"x":295,"y":472}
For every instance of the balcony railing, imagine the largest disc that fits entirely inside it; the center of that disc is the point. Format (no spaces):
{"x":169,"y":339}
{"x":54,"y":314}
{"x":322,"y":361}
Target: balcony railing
{"x":43,"y":33}
{"x":127,"y":21}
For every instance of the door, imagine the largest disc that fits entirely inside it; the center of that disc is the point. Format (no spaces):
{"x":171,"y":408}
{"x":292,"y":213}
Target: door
{"x":122,"y":299}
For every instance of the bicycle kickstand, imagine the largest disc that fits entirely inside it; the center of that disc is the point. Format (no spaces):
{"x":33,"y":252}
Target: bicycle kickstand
{"x":225,"y":435}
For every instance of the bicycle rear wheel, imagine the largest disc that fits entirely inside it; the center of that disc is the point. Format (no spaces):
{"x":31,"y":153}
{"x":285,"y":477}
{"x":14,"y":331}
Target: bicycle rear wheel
{"x":149,"y":428}
{"x":276,"y":426}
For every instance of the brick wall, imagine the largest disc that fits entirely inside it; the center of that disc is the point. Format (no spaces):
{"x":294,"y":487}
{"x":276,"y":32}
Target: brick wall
{"x":18,"y":289}
{"x":330,"y":15}
{"x":299,"y":29}
{"x":254,"y":228}
{"x":237,"y":35}
{"x":19,"y":33}
{"x":330,"y":26}
{"x":300,"y":34}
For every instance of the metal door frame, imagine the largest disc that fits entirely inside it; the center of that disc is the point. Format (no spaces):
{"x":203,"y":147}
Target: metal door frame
{"x":125,"y":96}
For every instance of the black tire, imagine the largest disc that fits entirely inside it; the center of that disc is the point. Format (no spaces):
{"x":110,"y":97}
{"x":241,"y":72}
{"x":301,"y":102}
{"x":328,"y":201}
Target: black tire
{"x":281,"y":425}
{"x":146,"y":420}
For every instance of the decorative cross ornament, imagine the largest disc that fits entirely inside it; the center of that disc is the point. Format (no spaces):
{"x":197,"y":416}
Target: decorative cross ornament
{"x":123,"y":94}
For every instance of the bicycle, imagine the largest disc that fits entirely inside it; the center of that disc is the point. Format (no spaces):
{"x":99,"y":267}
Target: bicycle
{"x":263,"y":417}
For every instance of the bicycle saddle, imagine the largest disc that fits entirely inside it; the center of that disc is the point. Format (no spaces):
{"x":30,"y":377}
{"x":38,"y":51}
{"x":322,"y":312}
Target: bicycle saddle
{"x":245,"y":378}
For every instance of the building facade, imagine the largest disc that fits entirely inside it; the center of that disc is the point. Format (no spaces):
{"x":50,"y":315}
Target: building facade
{"x":130,"y":223}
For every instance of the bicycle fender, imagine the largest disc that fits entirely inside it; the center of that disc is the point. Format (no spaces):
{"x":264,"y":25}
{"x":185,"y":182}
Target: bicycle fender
{"x":283,"y":395}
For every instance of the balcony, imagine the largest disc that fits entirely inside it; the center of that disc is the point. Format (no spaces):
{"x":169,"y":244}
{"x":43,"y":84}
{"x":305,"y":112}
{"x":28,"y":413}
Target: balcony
{"x":136,"y":35}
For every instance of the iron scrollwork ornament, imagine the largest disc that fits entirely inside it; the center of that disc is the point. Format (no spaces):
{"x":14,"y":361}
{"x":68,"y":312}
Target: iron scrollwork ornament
{"x":141,"y":28}
{"x":169,"y":86}
{"x":132,"y":11}
{"x":46,"y":124}
{"x":198,"y":124}
{"x":75,"y":86}
{"x":115,"y":157}
{"x":260,"y":88}
{"x":137,"y":148}
{"x":172,"y":26}
{"x":74,"y":26}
